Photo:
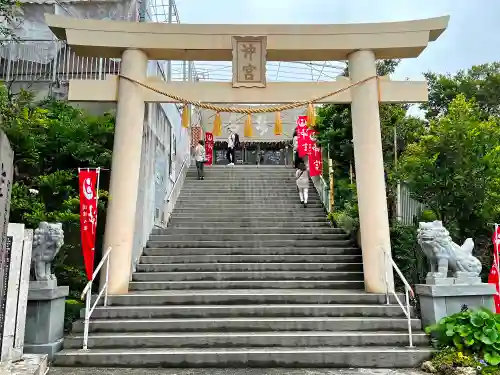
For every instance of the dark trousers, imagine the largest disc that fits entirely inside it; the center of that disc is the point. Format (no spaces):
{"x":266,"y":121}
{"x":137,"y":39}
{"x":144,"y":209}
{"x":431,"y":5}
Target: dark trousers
{"x":200,"y":169}
{"x":230,"y":155}
{"x":297,"y":160}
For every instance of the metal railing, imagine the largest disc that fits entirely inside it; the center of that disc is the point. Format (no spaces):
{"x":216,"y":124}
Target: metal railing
{"x":87,"y":293}
{"x":323,"y":190}
{"x":32,"y":60}
{"x":179,"y":175}
{"x":50,"y":61}
{"x":408,"y":292}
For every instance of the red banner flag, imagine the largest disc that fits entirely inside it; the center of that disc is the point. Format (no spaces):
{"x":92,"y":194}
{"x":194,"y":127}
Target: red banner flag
{"x":88,"y":179}
{"x":209,"y":148}
{"x":303,"y":137}
{"x":301,"y":122}
{"x":494,"y":276}
{"x":315,"y":156}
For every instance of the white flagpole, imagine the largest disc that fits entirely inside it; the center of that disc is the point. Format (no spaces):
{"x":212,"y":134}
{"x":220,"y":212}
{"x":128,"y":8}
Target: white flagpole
{"x":496,"y":258}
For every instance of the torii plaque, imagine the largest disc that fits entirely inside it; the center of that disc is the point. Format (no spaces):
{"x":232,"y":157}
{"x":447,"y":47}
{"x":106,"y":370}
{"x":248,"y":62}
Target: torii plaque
{"x":249,"y":61}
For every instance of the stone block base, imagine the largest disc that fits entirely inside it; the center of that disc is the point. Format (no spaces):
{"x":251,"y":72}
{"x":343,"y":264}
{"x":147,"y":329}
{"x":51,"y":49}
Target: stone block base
{"x":45,"y":320}
{"x":31,"y":364}
{"x":50,"y":349}
{"x":439,"y":301}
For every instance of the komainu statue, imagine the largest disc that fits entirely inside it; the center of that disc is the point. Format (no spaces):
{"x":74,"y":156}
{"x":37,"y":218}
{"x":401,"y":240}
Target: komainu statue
{"x":47,"y":241}
{"x":444,"y":255}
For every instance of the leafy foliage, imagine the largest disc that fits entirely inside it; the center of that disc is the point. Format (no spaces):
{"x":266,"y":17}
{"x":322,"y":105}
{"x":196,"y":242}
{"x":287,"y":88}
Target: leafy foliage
{"x":474,"y":331}
{"x":10,"y":12}
{"x":451,"y":358}
{"x":51,"y":140}
{"x":480,"y":82}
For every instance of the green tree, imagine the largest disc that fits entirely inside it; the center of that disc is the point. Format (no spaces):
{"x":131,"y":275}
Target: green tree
{"x":481,"y":82}
{"x":335,"y":133}
{"x":455,"y":167}
{"x":10,"y":13}
{"x":51,"y":140}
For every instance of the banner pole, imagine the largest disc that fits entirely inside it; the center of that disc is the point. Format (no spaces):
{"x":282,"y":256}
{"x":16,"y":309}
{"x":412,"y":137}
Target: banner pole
{"x":98,"y":172}
{"x":496,"y":257}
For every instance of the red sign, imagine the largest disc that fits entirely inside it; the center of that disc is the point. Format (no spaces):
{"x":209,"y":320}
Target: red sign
{"x":301,"y":121}
{"x":494,"y":276}
{"x":315,"y":157}
{"x":209,"y":148}
{"x":303,"y":141}
{"x":88,"y":216}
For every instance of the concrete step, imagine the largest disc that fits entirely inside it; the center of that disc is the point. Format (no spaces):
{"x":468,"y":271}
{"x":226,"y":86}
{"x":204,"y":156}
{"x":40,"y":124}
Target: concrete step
{"x":243,"y":185}
{"x":230,"y":224}
{"x":303,"y":218}
{"x":258,"y":242}
{"x":269,"y":210}
{"x":201,"y":201}
{"x":284,"y":190}
{"x":254,"y":237}
{"x":245,"y":339}
{"x":219,"y":311}
{"x":324,"y":229}
{"x":332,"y":357}
{"x":254,"y":251}
{"x":249,"y":324}
{"x":236,"y":267}
{"x":250,"y":259}
{"x":249,"y":297}
{"x":247,"y":196}
{"x":246,"y":284}
{"x":248,"y":275}
{"x":208,"y":206}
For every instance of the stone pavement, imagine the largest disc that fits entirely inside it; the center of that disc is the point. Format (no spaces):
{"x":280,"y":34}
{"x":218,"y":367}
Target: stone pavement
{"x":108,"y":371}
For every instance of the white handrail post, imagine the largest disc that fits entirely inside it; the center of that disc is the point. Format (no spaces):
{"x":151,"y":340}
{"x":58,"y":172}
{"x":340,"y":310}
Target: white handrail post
{"x":407,"y":292}
{"x":87,"y":318}
{"x":387,"y":299}
{"x":106,"y":284}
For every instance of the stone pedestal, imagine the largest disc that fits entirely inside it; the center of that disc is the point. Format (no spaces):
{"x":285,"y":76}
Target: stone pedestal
{"x":439,"y":301}
{"x":45,"y":318}
{"x":30,"y":364}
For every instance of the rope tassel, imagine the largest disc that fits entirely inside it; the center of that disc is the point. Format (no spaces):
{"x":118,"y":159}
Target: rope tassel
{"x":248,"y":131}
{"x":311,"y":116}
{"x":186,"y":116}
{"x":217,"y":129}
{"x":278,"y":125}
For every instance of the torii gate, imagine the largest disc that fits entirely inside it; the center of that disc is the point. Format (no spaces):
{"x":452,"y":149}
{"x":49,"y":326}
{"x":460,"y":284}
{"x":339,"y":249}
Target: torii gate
{"x":249,"y":47}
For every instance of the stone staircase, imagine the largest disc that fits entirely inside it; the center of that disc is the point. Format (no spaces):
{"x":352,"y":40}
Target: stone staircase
{"x":245,"y":276}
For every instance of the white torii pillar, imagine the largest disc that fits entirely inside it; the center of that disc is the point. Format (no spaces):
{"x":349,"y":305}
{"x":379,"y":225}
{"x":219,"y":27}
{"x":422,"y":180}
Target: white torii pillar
{"x":125,"y":168}
{"x":370,"y":177}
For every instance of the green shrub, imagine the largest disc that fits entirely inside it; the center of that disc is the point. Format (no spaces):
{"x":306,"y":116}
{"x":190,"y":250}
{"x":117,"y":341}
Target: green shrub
{"x":341,"y":219}
{"x":72,"y":312}
{"x":428,"y":215}
{"x":452,"y":358}
{"x":407,"y":254}
{"x":471,"y":331}
{"x":490,"y":370}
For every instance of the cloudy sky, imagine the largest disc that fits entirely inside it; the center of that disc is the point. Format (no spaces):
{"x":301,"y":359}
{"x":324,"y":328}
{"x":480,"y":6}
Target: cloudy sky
{"x":473,"y":35}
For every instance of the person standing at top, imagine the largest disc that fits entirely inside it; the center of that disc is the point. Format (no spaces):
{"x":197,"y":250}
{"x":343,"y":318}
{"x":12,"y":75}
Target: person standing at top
{"x":232,"y":143}
{"x":302,"y":178}
{"x":200,"y":158}
{"x":296,"y":159}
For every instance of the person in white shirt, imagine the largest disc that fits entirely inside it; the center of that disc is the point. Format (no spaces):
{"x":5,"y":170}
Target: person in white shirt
{"x":230,"y":147}
{"x":302,"y":178}
{"x":200,"y":158}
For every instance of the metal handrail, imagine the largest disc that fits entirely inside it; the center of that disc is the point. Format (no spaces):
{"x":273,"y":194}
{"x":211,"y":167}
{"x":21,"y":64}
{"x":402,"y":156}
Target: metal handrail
{"x":408,"y":292}
{"x":87,"y":292}
{"x":167,"y":198}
